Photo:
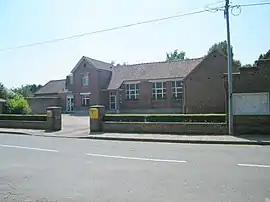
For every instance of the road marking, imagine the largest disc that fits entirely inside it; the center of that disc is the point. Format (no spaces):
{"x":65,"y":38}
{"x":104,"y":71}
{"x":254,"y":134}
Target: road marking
{"x":30,"y":148}
{"x":254,"y":165}
{"x":136,"y":158}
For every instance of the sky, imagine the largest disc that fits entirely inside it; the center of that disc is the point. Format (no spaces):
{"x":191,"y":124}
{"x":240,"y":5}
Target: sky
{"x":31,"y":21}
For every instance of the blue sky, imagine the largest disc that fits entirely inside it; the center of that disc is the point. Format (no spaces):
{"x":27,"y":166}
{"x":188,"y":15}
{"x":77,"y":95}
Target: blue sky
{"x":29,"y":21}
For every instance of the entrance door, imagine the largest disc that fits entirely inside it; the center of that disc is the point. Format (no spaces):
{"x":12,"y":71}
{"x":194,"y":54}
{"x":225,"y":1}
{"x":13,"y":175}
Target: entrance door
{"x":70,"y":103}
{"x":112,"y":101}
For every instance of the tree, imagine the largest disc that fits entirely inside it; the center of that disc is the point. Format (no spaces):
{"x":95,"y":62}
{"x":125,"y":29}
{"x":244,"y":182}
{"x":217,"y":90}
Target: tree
{"x":247,"y":66}
{"x":18,"y":105}
{"x":27,"y":90}
{"x":3,"y":92}
{"x":222,"y":47}
{"x":175,"y":55}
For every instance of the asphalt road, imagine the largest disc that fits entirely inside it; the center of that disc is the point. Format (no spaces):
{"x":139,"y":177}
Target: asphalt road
{"x":58,"y":169}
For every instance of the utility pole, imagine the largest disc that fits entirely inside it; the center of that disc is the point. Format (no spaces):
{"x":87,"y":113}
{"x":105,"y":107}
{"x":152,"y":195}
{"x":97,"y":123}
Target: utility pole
{"x":229,"y":50}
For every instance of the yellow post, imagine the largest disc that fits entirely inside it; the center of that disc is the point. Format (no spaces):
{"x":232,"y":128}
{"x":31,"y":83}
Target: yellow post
{"x":93,"y":113}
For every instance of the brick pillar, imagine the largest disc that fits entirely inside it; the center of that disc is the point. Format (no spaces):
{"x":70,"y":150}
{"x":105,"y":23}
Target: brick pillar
{"x":54,"y":119}
{"x":96,"y":113}
{"x":145,"y":92}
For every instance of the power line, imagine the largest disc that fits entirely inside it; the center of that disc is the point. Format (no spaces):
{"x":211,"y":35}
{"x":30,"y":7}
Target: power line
{"x":253,"y":4}
{"x":104,"y":30}
{"x":206,"y":9}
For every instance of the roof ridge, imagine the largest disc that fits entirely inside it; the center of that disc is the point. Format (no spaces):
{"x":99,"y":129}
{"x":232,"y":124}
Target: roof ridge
{"x":96,"y":60}
{"x":158,"y":62}
{"x":57,"y":80}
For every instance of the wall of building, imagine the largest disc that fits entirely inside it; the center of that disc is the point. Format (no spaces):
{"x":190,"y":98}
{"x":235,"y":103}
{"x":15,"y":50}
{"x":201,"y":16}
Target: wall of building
{"x":251,"y":80}
{"x":97,"y":80}
{"x":204,"y":87}
{"x":145,"y":103}
{"x":39,"y":104}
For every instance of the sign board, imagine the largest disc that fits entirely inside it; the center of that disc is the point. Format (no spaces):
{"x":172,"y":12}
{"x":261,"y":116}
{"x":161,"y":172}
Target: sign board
{"x":94,"y":113}
{"x":49,"y":113}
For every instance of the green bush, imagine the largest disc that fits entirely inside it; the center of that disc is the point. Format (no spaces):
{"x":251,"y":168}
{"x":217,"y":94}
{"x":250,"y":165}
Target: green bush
{"x":209,"y":118}
{"x":18,"y":105}
{"x":20,"y":117}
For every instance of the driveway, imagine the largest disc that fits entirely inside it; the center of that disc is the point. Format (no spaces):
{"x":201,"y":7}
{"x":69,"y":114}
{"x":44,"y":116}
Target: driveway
{"x":72,"y":123}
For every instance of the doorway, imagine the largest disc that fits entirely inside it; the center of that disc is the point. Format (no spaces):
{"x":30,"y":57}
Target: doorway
{"x":70,"y":103}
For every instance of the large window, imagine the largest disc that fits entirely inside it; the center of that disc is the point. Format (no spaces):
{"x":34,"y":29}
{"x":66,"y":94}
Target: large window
{"x":159,"y":90}
{"x":85,"y":80}
{"x":177,"y":89}
{"x":85,"y":100}
{"x":132,"y":91}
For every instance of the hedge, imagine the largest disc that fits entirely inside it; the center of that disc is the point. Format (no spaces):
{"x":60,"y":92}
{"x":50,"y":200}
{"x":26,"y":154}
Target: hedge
{"x":19,"y":117}
{"x":210,"y":118}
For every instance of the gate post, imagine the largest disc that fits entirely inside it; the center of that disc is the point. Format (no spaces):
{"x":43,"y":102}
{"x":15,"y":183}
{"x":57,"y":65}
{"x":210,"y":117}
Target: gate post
{"x":96,"y":113}
{"x":54,"y":118}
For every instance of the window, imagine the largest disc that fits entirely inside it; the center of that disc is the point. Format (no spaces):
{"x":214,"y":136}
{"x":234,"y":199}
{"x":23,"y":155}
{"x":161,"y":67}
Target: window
{"x":71,"y":78}
{"x":112,"y":100}
{"x":132,"y":91}
{"x":85,"y":80}
{"x":177,"y":89}
{"x":85,"y":100}
{"x":159,"y":90}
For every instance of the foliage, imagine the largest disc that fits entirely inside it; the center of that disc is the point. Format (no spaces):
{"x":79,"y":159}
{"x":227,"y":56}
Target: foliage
{"x":18,"y":105}
{"x":20,"y":117}
{"x":3,"y":92}
{"x":209,"y":118}
{"x":247,"y":66}
{"x":175,"y":55}
{"x":27,"y":90}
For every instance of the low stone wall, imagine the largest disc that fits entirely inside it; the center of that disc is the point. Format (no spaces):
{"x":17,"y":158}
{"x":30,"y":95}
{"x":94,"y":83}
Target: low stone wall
{"x":168,"y":128}
{"x":244,"y":124}
{"x":53,"y":121}
{"x":41,"y":125}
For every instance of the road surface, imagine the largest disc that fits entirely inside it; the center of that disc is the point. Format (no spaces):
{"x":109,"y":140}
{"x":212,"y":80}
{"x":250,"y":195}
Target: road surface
{"x":58,"y":169}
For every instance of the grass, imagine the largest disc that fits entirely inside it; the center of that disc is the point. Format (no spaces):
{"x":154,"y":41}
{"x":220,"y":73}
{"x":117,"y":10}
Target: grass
{"x":185,"y":115}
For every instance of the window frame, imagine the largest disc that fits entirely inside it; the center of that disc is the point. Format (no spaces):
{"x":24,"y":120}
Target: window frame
{"x":113,"y":94}
{"x":85,"y":77}
{"x":132,"y":93}
{"x":157,"y":91}
{"x":177,"y":91}
{"x":84,"y":99}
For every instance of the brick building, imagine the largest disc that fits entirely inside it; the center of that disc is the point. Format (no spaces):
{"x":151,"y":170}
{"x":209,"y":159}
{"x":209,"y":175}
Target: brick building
{"x":188,"y":86}
{"x":251,"y":88}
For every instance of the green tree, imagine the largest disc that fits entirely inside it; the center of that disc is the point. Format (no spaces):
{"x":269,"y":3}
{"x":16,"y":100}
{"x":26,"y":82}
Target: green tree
{"x":222,"y":47}
{"x":18,"y":105}
{"x":175,"y":55}
{"x":3,"y":92}
{"x":247,"y":66}
{"x":27,"y":90}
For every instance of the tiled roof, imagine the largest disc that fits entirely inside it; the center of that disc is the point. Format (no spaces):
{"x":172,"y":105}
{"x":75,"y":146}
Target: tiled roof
{"x":99,"y":64}
{"x":267,"y":55}
{"x":53,"y":86}
{"x":155,"y":70}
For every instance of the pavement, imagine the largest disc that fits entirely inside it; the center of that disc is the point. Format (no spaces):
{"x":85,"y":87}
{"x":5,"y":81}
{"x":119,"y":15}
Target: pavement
{"x":64,"y":170}
{"x":78,"y":127}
